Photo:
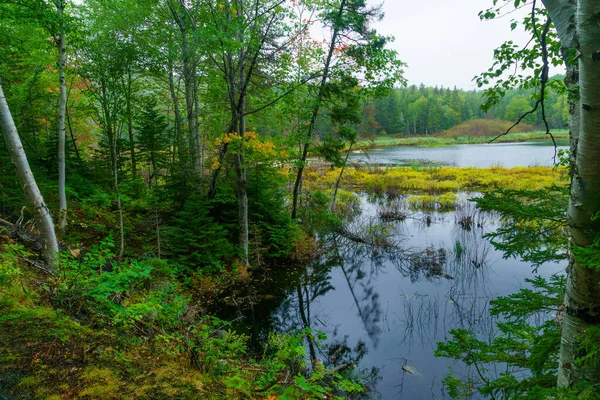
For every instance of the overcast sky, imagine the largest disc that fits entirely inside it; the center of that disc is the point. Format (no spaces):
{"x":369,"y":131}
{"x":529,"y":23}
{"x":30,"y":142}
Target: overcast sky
{"x":444,"y":42}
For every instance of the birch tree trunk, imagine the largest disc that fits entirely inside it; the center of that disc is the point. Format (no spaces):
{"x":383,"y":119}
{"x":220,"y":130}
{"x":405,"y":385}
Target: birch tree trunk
{"x":34,"y":198}
{"x":62,"y":196}
{"x":582,"y":293}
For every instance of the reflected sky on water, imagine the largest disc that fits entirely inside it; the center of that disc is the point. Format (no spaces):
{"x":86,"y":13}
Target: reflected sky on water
{"x":465,"y":155}
{"x":385,"y":294}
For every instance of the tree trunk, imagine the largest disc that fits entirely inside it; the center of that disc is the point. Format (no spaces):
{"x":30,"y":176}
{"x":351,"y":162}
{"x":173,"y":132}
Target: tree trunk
{"x":115,"y":170}
{"x":72,"y":136}
{"x":189,"y":80}
{"x":582,"y":294}
{"x":62,"y":196}
{"x":130,"y":126}
{"x":315,"y":113}
{"x":34,"y":198}
{"x":199,"y":166}
{"x":240,"y":168}
{"x":339,"y":180}
{"x":176,"y":113}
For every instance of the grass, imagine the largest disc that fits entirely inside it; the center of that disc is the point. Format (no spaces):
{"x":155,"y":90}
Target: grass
{"x":436,"y":180}
{"x":445,"y":201}
{"x":434,"y":141}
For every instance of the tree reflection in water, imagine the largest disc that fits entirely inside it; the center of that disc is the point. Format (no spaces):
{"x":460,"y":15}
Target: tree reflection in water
{"x":385,"y":291}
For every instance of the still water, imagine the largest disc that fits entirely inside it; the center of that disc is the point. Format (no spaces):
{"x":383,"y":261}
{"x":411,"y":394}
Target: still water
{"x":386,"y":292}
{"x":386,"y":296}
{"x":466,"y":155}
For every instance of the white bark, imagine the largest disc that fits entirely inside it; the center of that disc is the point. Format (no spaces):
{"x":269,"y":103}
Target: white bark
{"x":33,"y":196}
{"x":562,"y":14}
{"x":581,"y":30}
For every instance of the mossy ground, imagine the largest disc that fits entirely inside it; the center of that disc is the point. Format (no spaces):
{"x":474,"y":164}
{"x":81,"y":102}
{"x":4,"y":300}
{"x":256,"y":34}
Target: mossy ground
{"x":45,"y":354}
{"x":80,"y":335}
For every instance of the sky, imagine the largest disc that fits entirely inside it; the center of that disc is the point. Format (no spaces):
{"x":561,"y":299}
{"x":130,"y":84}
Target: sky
{"x":444,"y":42}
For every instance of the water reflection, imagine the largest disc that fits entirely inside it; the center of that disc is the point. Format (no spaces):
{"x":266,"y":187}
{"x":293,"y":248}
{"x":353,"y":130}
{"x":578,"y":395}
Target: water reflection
{"x":385,"y":292}
{"x":468,"y":155}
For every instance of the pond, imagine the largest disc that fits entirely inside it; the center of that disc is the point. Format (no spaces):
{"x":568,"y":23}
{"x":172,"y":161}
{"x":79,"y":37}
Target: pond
{"x":385,"y":293}
{"x":508,"y":155}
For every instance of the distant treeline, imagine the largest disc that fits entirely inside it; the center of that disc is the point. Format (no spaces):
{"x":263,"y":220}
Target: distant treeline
{"x":428,"y":110}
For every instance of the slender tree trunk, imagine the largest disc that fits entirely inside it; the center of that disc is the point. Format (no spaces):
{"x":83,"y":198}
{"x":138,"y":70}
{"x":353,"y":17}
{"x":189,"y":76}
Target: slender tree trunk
{"x":315,"y":113}
{"x":177,"y":114}
{"x":72,"y":136}
{"x":241,"y":173}
{"x":34,"y":198}
{"x":338,"y":180}
{"x":62,"y":195}
{"x":582,"y":295}
{"x":189,"y":79}
{"x":157,"y":232}
{"x":199,"y":166}
{"x":115,"y":168}
{"x":130,"y":126}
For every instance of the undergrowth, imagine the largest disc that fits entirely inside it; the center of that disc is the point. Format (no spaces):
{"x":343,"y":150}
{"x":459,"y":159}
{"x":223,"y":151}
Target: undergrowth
{"x":100,"y":329}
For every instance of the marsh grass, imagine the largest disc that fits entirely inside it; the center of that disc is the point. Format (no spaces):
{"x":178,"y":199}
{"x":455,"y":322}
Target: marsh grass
{"x":446,"y":201}
{"x":436,"y":181}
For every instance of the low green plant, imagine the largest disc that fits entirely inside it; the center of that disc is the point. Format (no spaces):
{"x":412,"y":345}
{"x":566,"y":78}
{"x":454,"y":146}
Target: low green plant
{"x":518,"y":344}
{"x":10,"y":255}
{"x":459,"y":249}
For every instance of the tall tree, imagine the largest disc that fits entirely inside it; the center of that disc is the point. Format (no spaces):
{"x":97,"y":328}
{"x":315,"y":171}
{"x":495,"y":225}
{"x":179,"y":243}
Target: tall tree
{"x":55,"y":23}
{"x":106,"y":55}
{"x":184,"y":15}
{"x":62,"y":110}
{"x":353,"y":46}
{"x":247,"y":32}
{"x":577,"y":24}
{"x":34,"y":198}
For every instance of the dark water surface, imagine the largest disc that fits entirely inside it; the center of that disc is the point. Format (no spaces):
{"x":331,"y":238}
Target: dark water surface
{"x":386,"y":294}
{"x":522,"y":154}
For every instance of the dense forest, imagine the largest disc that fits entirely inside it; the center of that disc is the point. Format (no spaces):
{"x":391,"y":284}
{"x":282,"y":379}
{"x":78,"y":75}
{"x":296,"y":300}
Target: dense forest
{"x":173,"y":172}
{"x":424,"y":110}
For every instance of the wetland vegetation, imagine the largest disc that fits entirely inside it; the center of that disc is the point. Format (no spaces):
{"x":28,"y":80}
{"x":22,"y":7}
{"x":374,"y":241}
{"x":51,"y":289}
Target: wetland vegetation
{"x":202,"y":200}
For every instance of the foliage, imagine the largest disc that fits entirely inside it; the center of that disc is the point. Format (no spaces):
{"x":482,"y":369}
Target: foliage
{"x":452,"y":112}
{"x":534,"y":223}
{"x":426,"y":201}
{"x":482,"y":127}
{"x":518,"y":343}
{"x":135,"y":320}
{"x":194,"y":237}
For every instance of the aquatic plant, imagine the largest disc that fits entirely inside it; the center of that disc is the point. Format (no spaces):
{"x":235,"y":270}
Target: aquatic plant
{"x":438,"y":180}
{"x":444,"y":201}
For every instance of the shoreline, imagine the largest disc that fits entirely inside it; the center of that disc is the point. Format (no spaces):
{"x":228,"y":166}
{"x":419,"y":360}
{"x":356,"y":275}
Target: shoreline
{"x":436,"y":141}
